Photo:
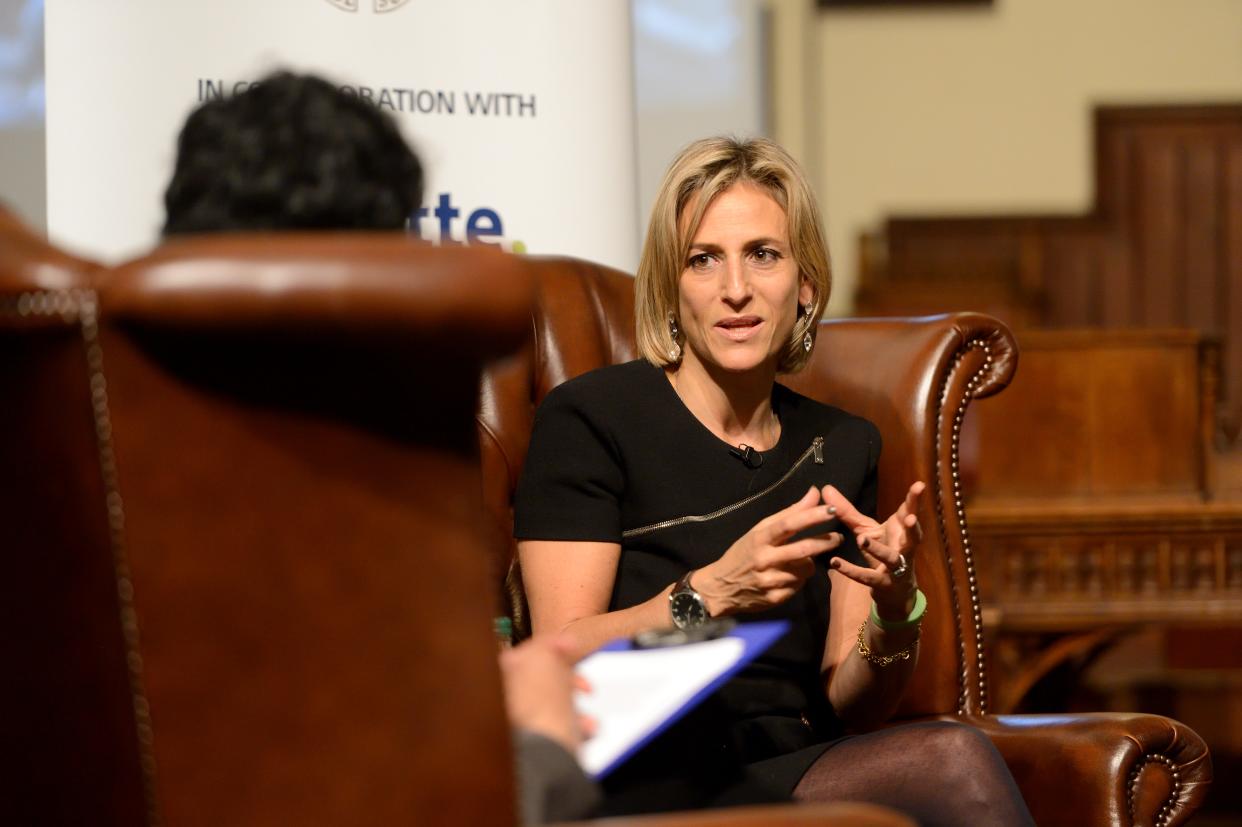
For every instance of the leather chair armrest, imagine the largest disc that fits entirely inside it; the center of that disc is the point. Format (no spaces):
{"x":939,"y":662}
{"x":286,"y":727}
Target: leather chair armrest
{"x":1103,"y":768}
{"x":845,"y":814}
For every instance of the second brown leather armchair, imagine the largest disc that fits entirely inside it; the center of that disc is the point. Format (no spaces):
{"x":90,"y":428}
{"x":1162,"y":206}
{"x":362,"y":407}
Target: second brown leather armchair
{"x":914,"y":379}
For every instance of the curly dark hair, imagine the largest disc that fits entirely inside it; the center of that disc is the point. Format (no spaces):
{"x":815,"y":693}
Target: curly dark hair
{"x":291,"y":152}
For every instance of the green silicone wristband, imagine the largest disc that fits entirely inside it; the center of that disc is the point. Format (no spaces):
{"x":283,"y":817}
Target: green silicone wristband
{"x":916,"y":614}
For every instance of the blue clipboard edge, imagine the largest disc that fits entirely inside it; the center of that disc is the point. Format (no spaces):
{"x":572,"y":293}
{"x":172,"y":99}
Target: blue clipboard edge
{"x":756,"y":637}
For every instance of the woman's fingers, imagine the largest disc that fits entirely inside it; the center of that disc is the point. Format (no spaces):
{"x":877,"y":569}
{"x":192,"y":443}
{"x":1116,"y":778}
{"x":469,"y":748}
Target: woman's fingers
{"x":871,"y":559}
{"x":845,"y":509}
{"x":881,"y":552}
{"x":803,"y":514}
{"x":910,"y":505}
{"x":784,"y":568}
{"x":913,"y":528}
{"x":790,"y":576}
{"x":906,"y":515}
{"x":806,"y":548}
{"x":859,"y":574}
{"x":760,"y":568}
{"x":778,"y":568}
{"x":810,"y":498}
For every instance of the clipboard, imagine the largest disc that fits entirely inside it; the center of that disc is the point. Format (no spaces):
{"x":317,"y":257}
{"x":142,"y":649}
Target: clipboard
{"x":636,"y":694}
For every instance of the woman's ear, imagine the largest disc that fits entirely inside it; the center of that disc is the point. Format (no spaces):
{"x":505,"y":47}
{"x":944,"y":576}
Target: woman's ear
{"x":806,"y":292}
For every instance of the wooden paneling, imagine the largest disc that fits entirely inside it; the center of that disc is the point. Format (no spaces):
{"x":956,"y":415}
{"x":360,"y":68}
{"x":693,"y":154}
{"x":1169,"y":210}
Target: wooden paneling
{"x":1155,"y":251}
{"x":1201,"y":248}
{"x":1096,"y":413}
{"x":1230,"y":286}
{"x":1093,"y":507}
{"x":1162,"y":246}
{"x":1098,"y":509}
{"x":1060,"y":584}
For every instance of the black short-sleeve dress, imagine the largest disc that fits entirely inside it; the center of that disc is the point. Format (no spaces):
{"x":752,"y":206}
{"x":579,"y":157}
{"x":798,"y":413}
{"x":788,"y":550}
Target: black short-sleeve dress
{"x":615,"y":456}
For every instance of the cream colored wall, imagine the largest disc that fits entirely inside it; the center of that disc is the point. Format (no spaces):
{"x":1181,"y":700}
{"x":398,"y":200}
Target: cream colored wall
{"x":792,"y":77}
{"x":974,"y":110}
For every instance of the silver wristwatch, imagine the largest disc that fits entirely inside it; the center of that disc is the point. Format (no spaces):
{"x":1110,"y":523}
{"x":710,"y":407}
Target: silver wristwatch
{"x":687,"y":606}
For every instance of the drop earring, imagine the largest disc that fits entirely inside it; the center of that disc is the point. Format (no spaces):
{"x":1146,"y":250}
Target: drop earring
{"x":674,"y":352}
{"x":807,"y":344}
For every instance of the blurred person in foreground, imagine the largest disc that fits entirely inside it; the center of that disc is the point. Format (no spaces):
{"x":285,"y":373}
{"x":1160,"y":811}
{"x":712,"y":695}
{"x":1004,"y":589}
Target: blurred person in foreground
{"x":690,"y":485}
{"x":539,"y":687}
{"x":293,"y":152}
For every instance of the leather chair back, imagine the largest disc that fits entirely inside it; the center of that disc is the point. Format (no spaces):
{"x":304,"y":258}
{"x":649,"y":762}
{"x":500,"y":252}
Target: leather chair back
{"x":70,"y":750}
{"x":291,"y":427}
{"x":284,"y":495}
{"x":912,"y":377}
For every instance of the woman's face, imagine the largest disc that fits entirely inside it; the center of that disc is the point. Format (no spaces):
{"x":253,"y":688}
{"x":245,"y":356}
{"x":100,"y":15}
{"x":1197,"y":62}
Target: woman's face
{"x":739,"y":288}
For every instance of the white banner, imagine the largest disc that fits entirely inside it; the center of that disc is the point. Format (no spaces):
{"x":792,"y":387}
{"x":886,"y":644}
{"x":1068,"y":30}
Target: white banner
{"x":521,"y":110}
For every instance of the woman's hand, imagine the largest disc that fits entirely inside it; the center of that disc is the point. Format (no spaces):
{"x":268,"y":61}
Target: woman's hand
{"x":761,"y":570}
{"x":887,"y":546}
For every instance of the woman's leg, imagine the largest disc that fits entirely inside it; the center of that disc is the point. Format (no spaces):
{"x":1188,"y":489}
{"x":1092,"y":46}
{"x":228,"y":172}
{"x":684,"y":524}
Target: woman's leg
{"x":939,"y":773}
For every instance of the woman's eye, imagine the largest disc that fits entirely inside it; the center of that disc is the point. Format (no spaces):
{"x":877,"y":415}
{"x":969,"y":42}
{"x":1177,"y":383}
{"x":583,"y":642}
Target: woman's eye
{"x":700,"y":261}
{"x":766,"y":255}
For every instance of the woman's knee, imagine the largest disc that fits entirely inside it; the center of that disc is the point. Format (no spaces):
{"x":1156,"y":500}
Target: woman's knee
{"x":967,"y":757}
{"x":949,"y":738}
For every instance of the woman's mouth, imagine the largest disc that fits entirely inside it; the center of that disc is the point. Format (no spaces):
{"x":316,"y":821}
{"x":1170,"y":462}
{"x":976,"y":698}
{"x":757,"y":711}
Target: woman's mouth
{"x":739,"y":328}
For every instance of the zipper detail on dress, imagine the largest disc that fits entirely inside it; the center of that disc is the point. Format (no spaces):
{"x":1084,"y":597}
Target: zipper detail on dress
{"x":815,"y":450}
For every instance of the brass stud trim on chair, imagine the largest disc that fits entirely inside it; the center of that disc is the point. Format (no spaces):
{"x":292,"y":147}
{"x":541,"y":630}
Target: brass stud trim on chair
{"x":80,"y":307}
{"x":63,"y":303}
{"x":1164,"y":815}
{"x":976,"y":612}
{"x":89,"y":321}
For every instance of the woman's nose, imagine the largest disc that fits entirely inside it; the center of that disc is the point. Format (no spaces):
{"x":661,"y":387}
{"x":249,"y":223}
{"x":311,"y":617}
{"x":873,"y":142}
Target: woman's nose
{"x":736,"y":287}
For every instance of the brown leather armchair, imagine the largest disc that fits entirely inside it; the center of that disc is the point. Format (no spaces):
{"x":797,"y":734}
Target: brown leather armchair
{"x":914,"y":379}
{"x":241,"y":528}
{"x":290,"y":423}
{"x":243,"y":536}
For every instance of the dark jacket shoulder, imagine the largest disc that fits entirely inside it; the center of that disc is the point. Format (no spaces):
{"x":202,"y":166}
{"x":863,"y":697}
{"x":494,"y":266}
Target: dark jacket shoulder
{"x":601,"y":389}
{"x":833,"y":422}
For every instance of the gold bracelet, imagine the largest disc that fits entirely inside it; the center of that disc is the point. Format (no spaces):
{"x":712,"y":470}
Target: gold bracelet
{"x":881,"y":660}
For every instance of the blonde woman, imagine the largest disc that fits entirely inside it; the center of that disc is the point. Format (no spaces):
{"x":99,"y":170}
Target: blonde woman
{"x":691,"y":485}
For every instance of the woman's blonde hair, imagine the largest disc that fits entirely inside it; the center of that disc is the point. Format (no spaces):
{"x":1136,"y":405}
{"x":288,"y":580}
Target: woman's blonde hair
{"x":703,"y":170}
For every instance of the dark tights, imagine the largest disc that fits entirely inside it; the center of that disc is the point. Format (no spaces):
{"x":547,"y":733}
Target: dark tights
{"x":937,"y":772}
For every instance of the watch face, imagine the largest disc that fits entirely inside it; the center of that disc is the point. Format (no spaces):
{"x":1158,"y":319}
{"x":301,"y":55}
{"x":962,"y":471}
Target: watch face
{"x":688,"y":610}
